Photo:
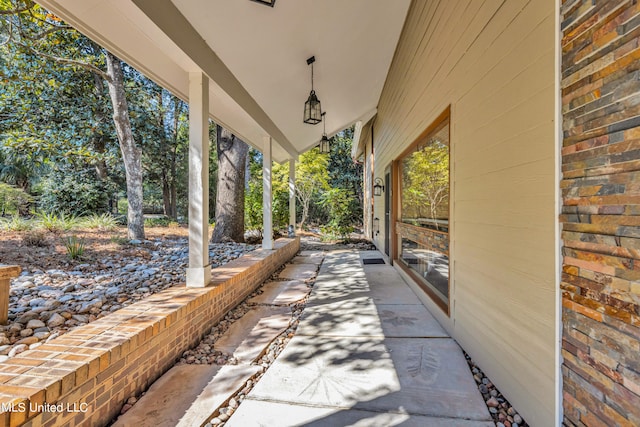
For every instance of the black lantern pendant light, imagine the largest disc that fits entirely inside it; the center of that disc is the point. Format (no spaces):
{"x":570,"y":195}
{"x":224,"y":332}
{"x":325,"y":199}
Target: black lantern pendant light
{"x":312,"y":110}
{"x":324,"y":142}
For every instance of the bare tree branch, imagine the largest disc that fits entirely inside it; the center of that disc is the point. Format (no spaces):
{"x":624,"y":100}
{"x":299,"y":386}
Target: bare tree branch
{"x":67,"y":61}
{"x":47,"y":32}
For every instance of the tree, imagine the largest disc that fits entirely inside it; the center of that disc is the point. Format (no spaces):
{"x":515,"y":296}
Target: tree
{"x":279,"y":189}
{"x":346,"y":175}
{"x":232,"y":159}
{"x":162,"y":123}
{"x":33,"y":35}
{"x":311,"y":178}
{"x":131,"y":154}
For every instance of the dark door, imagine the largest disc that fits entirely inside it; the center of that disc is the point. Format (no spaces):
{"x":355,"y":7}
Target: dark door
{"x":387,"y":212}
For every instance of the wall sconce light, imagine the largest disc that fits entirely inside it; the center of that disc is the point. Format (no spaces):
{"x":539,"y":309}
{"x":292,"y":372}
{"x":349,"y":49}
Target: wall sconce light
{"x":312,"y":109}
{"x":376,"y":226}
{"x":324,"y":142}
{"x":378,"y":188}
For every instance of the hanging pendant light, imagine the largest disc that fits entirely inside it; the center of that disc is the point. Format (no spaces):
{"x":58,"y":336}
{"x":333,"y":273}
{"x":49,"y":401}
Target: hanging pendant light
{"x":312,"y":109}
{"x":324,"y":142}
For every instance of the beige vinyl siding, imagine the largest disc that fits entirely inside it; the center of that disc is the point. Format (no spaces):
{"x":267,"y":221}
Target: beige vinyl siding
{"x":493,"y":62}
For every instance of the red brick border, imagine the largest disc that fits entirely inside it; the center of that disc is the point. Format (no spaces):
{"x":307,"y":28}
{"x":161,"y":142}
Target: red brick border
{"x":85,"y":376}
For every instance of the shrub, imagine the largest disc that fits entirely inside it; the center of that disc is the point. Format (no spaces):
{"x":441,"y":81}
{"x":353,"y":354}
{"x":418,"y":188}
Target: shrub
{"x":104,"y":222}
{"x":16,"y":223}
{"x":338,"y":201}
{"x":73,"y":192}
{"x":58,"y":224}
{"x":162,"y":221}
{"x":13,"y":200}
{"x":74,"y":246}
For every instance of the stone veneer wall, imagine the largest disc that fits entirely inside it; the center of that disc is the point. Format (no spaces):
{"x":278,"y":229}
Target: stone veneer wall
{"x":601,"y":212}
{"x":98,"y":366}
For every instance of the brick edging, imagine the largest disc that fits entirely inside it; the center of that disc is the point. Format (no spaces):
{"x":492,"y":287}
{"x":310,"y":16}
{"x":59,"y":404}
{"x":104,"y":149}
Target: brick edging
{"x":85,"y":375}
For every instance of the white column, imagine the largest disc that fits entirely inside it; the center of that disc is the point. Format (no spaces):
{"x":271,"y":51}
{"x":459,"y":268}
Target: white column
{"x":199,"y":270}
{"x":267,"y":227}
{"x":292,"y":193}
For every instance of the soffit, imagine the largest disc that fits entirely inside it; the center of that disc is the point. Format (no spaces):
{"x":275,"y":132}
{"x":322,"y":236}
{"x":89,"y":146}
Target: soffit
{"x":263,"y":49}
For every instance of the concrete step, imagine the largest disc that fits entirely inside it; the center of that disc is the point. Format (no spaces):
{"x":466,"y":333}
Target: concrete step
{"x":247,"y":338}
{"x":187,"y":395}
{"x":281,"y":293}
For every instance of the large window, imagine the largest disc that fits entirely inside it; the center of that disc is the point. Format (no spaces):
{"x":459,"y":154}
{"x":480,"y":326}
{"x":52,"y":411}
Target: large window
{"x":423,"y":224}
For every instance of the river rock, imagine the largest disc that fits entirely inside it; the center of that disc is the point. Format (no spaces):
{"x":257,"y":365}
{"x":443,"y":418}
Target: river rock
{"x":55,"y":321}
{"x":35,"y":324}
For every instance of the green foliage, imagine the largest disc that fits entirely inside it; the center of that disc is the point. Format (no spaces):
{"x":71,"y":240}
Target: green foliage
{"x":58,"y":223}
{"x":253,"y":206}
{"x":103,"y":222}
{"x":346,"y":174}
{"x":58,"y":111}
{"x":16,"y":223}
{"x":75,"y":192}
{"x":312,"y":177}
{"x":162,"y":221}
{"x":254,"y":193}
{"x":13,"y":200}
{"x":338,"y":203}
{"x":74,"y":246}
{"x":152,"y":200}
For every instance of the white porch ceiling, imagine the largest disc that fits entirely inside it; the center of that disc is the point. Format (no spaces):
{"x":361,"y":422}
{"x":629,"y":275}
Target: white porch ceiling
{"x":255,"y":56}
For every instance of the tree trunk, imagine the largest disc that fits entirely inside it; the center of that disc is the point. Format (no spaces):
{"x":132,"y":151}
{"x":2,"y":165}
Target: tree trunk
{"x":166,"y":196}
{"x":232,"y":157}
{"x":305,"y":213}
{"x":99,"y":143}
{"x":131,"y":154}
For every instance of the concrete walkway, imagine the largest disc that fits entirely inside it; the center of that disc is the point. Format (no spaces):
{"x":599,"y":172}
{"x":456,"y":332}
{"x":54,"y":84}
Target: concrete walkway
{"x":366,"y":353}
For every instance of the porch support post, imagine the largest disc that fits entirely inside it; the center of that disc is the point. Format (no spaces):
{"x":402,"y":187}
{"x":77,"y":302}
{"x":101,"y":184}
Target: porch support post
{"x":199,"y":270}
{"x":267,"y":222}
{"x":292,"y":193}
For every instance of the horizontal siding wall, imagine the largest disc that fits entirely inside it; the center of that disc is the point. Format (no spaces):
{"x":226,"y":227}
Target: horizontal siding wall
{"x":493,"y":62}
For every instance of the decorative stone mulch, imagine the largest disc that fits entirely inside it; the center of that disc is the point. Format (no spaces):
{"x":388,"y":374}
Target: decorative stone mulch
{"x":46,"y":304}
{"x":503,"y":414}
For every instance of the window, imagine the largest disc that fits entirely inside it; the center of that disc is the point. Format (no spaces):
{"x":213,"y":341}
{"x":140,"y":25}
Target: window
{"x":423,"y":223}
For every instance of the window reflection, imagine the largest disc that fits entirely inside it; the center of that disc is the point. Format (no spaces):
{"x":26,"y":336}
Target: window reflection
{"x":430,"y":265}
{"x":423,"y":227}
{"x":425,"y":182}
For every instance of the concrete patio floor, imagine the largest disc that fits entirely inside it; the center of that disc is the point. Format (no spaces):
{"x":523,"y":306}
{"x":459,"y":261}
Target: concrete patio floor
{"x":366,"y":353}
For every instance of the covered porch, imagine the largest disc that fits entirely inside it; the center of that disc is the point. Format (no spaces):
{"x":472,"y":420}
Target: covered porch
{"x":392,"y":70}
{"x":245,"y":65}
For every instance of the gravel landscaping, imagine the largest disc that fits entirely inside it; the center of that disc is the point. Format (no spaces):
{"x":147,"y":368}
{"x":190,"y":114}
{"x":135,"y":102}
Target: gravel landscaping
{"x":44,"y":304}
{"x":503,"y":414}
